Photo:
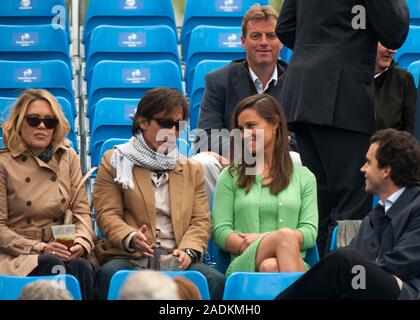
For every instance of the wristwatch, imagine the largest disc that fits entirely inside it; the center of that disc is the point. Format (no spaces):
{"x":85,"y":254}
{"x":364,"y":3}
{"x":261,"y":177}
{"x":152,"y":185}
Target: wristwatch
{"x":192,"y":254}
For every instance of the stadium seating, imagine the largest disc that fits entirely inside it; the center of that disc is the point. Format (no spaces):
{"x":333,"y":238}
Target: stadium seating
{"x":286,"y":54}
{"x":1,"y":142}
{"x":198,"y":85}
{"x":199,"y":280}
{"x":227,"y":13}
{"x":257,"y":285}
{"x":212,"y":43}
{"x":410,"y":51}
{"x":112,"y":119}
{"x":414,"y":7}
{"x":53,"y":75}
{"x":128,"y":13}
{"x":333,"y":244}
{"x":33,"y":12}
{"x":414,"y":68}
{"x":130,"y":80}
{"x":131,"y":44}
{"x":34,"y":42}
{"x":11,"y":286}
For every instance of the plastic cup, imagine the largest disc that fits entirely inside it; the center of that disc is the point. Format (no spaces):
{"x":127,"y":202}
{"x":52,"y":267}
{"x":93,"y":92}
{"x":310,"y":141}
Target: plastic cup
{"x":64,"y":234}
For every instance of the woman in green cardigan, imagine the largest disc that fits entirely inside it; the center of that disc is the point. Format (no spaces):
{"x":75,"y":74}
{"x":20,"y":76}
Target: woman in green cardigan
{"x":266,"y":221}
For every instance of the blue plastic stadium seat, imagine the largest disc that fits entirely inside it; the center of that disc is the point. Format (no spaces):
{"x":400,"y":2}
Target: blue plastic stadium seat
{"x":130,"y":80}
{"x":1,"y":142}
{"x":11,"y":286}
{"x":6,"y":105}
{"x":212,"y":43}
{"x":410,"y":51}
{"x":414,"y":7}
{"x":333,"y":244}
{"x":257,"y":285}
{"x":286,"y":53}
{"x":52,"y":75}
{"x":131,"y":44}
{"x":222,"y":13}
{"x":128,"y":13}
{"x":199,"y":280}
{"x":414,"y":68}
{"x":34,"y":42}
{"x":198,"y":85}
{"x":109,"y":144}
{"x":33,"y":12}
{"x":112,"y":119}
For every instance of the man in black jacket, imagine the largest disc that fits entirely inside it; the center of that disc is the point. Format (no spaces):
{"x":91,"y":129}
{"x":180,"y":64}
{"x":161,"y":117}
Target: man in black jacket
{"x":261,"y":71}
{"x":328,"y":92}
{"x":383,"y":260}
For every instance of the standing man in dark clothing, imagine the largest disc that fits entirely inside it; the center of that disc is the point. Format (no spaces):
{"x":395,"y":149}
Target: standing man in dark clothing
{"x":328,"y":92}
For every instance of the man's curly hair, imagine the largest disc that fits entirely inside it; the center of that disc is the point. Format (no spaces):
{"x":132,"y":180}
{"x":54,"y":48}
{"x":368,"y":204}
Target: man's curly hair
{"x":400,"y":151}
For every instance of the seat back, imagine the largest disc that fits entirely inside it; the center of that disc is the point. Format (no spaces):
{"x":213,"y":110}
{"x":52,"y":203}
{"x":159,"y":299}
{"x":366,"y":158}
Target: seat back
{"x":128,"y":13}
{"x":199,"y":280}
{"x":198,"y":85}
{"x":112,"y":119}
{"x":212,"y":43}
{"x":414,"y":68}
{"x":34,"y":42}
{"x":33,"y":12}
{"x":52,"y":75}
{"x":258,"y":285}
{"x":414,"y":7}
{"x":131,"y":44}
{"x":223,"y":13}
{"x":130,"y":80}
{"x":410,"y":50}
{"x":11,"y":286}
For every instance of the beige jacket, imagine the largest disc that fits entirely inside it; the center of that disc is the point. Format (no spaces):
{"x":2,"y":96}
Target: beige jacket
{"x":33,"y":197}
{"x":121,"y":212}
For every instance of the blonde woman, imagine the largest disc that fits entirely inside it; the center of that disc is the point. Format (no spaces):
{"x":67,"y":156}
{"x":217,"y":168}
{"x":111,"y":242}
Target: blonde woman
{"x":39,"y":173}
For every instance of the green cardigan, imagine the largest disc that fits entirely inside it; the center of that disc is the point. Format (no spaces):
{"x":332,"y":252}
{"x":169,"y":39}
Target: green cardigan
{"x":233,"y":210}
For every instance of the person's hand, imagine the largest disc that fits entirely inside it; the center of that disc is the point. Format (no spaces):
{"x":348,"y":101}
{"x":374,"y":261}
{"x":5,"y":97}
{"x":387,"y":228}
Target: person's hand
{"x":222,"y":160}
{"x":77,"y":251}
{"x":57,"y":249}
{"x":140,"y":242}
{"x":183,"y":258}
{"x":248,"y":239}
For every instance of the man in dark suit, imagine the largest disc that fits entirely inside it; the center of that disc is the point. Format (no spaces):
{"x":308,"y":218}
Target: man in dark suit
{"x":260,"y":72}
{"x":328,"y":92}
{"x":383,"y":259}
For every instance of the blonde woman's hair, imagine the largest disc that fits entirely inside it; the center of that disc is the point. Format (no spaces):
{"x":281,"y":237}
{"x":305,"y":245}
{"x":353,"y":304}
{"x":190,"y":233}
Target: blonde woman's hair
{"x":12,"y":138}
{"x":257,"y":12}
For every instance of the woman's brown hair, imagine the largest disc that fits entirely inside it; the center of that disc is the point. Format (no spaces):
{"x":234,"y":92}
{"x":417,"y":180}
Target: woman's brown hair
{"x":281,"y":166}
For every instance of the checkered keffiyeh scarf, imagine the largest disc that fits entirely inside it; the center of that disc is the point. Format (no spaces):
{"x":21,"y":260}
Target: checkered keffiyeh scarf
{"x":137,"y":152}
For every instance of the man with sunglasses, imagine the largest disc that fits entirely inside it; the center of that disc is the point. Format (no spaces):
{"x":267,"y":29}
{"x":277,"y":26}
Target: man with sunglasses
{"x":150,"y":201}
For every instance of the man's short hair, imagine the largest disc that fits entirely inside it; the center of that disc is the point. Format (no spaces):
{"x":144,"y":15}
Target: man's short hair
{"x":257,"y":12}
{"x":400,"y":151}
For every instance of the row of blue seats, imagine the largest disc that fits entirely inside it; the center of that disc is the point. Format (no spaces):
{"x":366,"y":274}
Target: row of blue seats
{"x":35,"y":12}
{"x":239,"y":286}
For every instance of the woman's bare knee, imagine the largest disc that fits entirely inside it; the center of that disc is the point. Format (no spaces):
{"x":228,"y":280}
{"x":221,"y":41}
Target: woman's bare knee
{"x":269,"y":265}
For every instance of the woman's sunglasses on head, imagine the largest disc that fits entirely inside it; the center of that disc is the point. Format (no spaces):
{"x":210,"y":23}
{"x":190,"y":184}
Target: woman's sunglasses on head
{"x":35,"y":121}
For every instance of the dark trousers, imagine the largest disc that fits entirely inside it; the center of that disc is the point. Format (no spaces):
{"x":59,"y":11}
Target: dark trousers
{"x":82,"y":269}
{"x":335,"y":156}
{"x":215,"y":279}
{"x":333,"y":278}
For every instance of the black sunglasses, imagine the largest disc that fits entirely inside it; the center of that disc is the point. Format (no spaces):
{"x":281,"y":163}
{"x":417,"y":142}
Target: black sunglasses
{"x":35,"y":121}
{"x":167,"y":123}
